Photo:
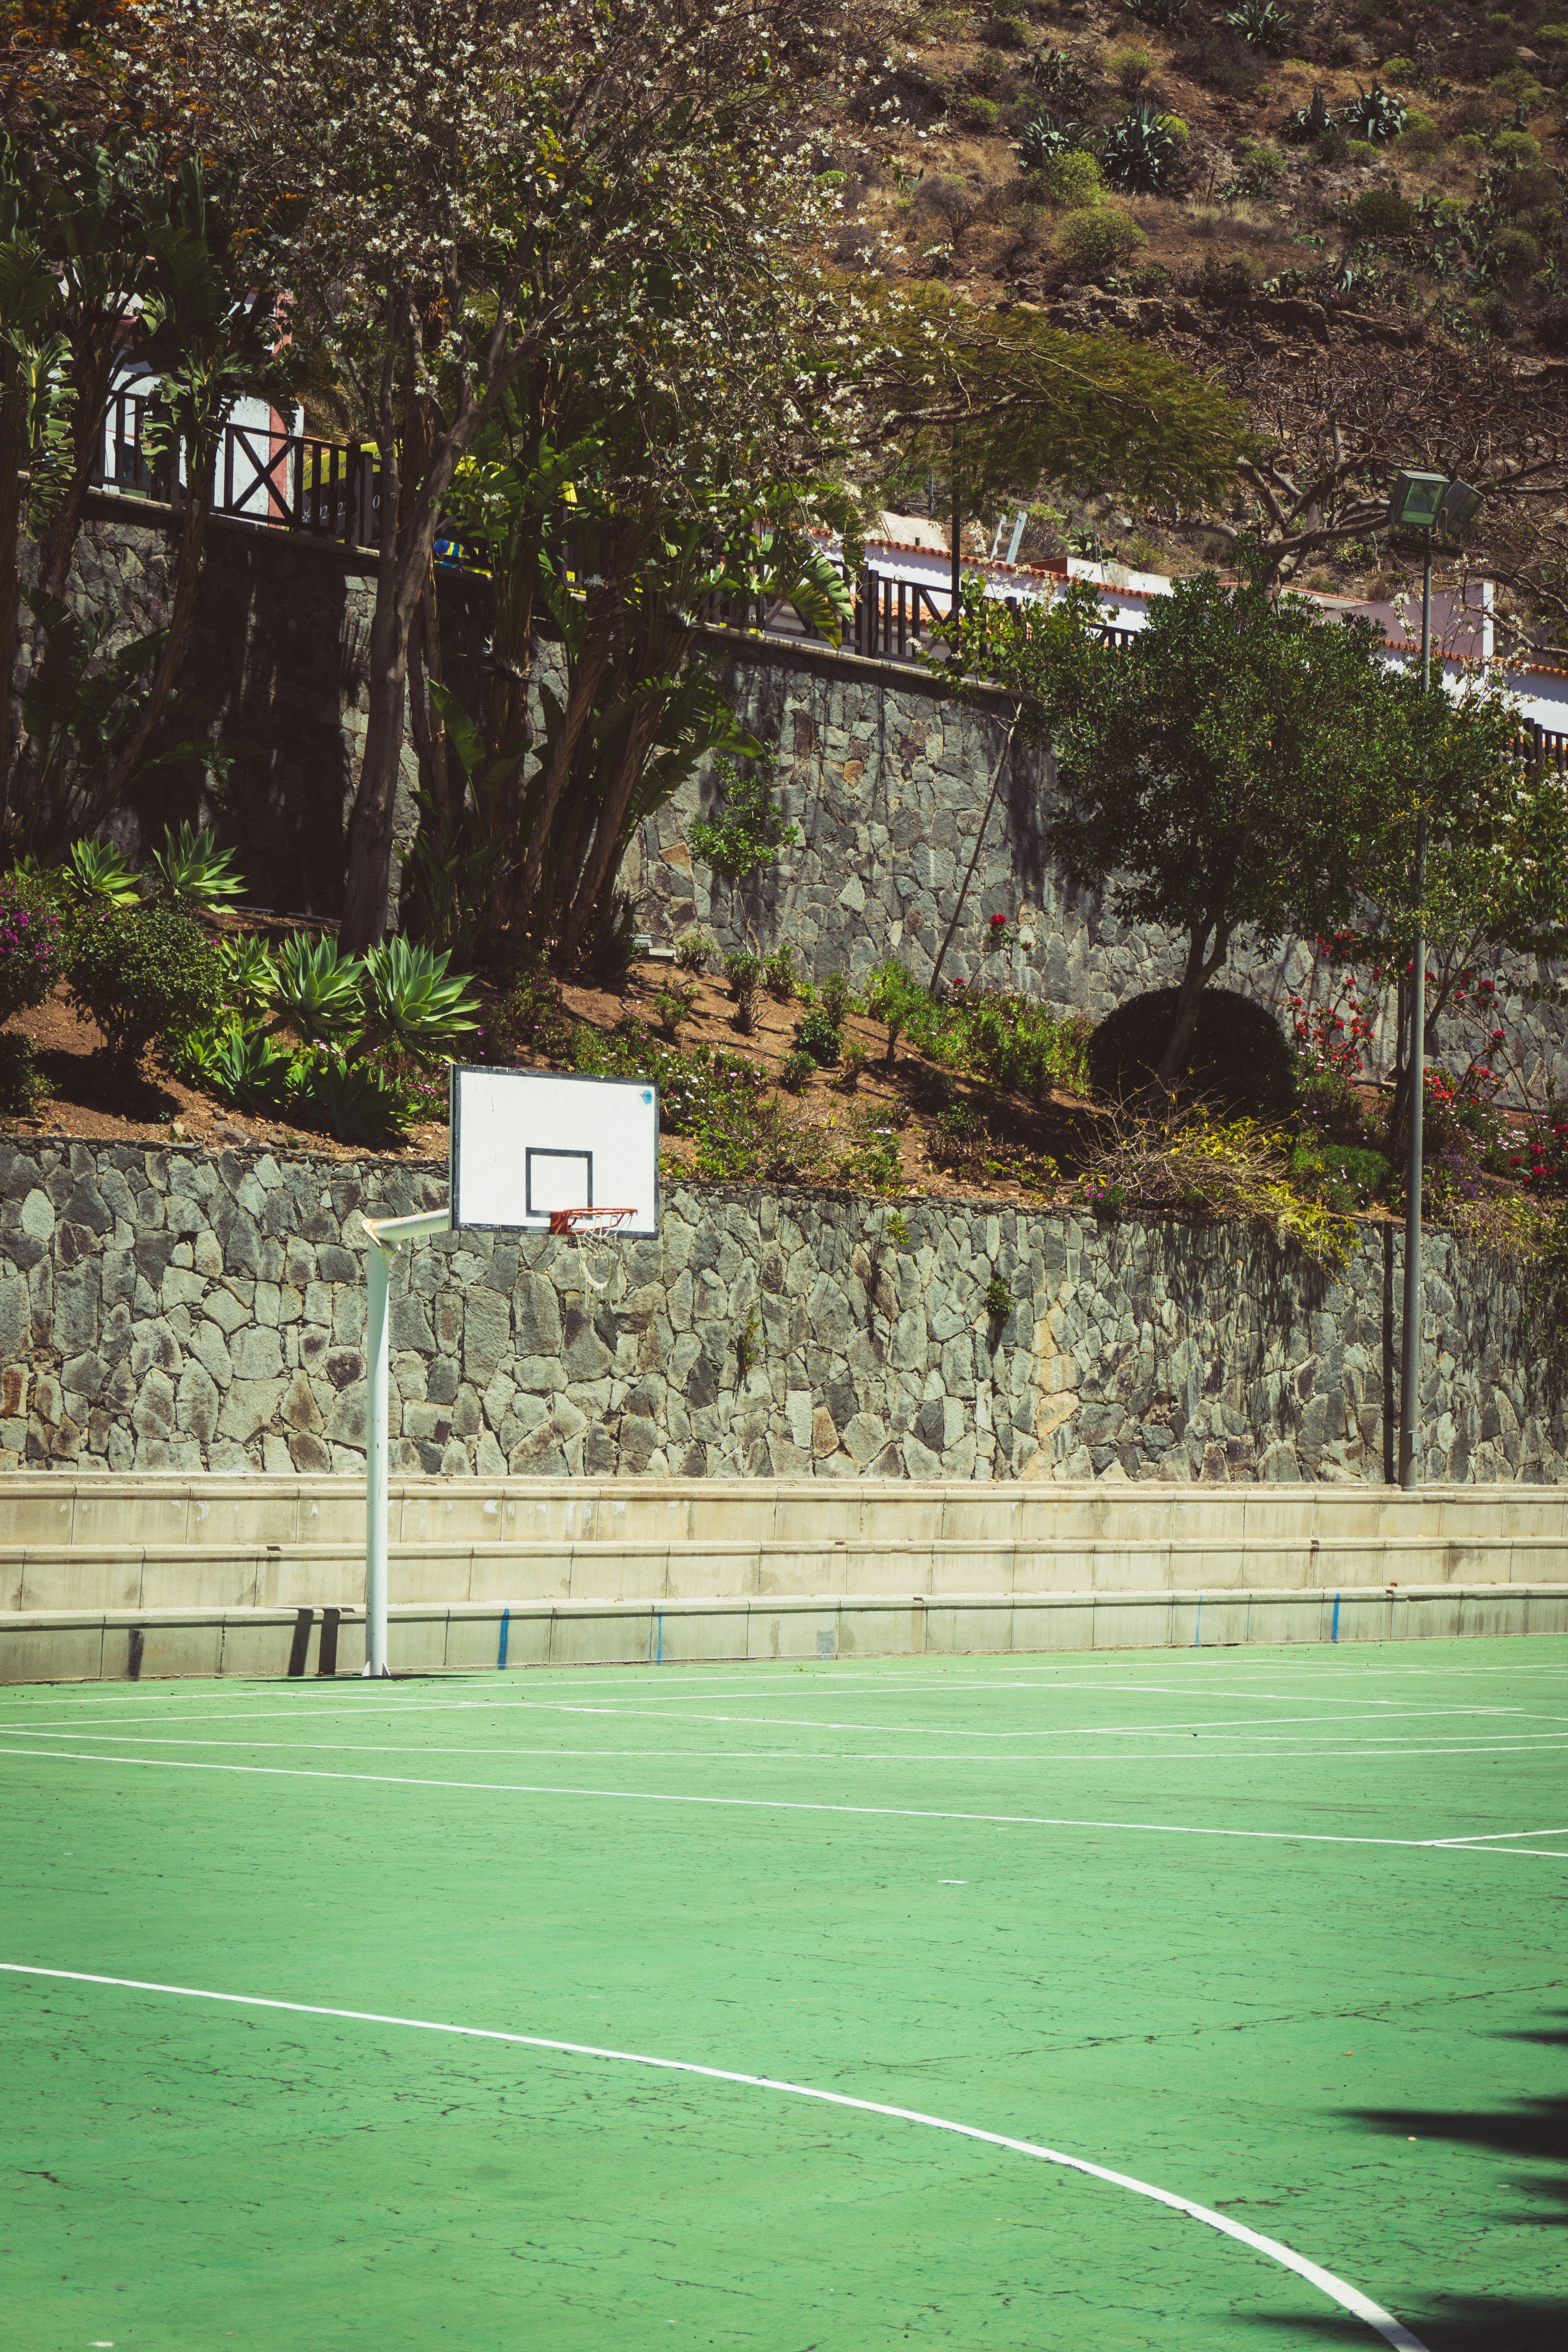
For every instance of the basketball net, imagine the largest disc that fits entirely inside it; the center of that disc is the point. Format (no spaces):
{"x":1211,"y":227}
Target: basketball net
{"x":584,"y":1226}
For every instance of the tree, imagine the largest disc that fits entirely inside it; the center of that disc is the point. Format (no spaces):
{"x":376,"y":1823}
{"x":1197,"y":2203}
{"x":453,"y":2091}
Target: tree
{"x":1220,"y":774}
{"x":489,"y":181}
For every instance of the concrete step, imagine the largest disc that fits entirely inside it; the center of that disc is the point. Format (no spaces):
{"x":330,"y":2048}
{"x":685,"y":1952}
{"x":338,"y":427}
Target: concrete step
{"x":60,"y":1509}
{"x":244,"y":1576}
{"x":142,"y":1644}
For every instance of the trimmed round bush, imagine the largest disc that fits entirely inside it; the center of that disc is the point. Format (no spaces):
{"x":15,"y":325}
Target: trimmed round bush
{"x":1516,"y":147}
{"x":143,"y":972}
{"x":32,"y":944}
{"x":1238,"y":1058}
{"x":1073,"y":181}
{"x":1097,"y":240}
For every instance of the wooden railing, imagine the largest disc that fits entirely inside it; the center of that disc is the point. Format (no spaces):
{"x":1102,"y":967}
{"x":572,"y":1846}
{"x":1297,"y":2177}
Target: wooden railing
{"x":282,"y":481}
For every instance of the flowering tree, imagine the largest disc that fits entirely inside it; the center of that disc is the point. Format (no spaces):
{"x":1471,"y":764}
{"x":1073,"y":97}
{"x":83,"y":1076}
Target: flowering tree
{"x":482,"y":183}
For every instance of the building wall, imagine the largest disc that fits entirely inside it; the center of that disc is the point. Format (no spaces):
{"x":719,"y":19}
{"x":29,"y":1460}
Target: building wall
{"x":163,"y":1310}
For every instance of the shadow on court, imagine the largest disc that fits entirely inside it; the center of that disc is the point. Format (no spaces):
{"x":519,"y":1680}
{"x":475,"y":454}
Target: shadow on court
{"x":1483,"y":2323}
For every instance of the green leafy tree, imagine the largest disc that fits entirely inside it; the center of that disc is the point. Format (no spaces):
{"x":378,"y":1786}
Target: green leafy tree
{"x":1222,"y":775}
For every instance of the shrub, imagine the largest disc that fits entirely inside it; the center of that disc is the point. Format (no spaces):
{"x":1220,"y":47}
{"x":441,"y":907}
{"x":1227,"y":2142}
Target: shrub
{"x":981,"y":114}
{"x":1420,"y":135}
{"x":1097,"y":241}
{"x":1003,"y":30}
{"x":361,"y":1101}
{"x":33,"y":944}
{"x":1516,"y":149}
{"x":854,"y":1064}
{"x":1551,"y":37}
{"x":239,"y":1063}
{"x":143,"y":972}
{"x":1239,"y":1060}
{"x":249,"y":974}
{"x":694,"y":954}
{"x":1263,"y":24}
{"x":835,"y":994}
{"x":1383,"y":211}
{"x":1514,"y":253}
{"x":743,"y":971}
{"x":748,"y":829}
{"x":1130,"y":69}
{"x":818,"y":1035}
{"x":894,"y":997}
{"x":1307,"y":122}
{"x":673,"y":1005}
{"x":1161,"y":13}
{"x":1470,"y":147}
{"x":1072,"y":179}
{"x":780,"y":976}
{"x":1399,"y":70}
{"x":1140,"y":152}
{"x":1234,"y":1168}
{"x":797,"y":1070}
{"x":531,"y":1017}
{"x":23,"y":1086}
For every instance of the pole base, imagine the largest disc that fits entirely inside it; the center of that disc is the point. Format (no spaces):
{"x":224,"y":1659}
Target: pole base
{"x":366,"y":1673}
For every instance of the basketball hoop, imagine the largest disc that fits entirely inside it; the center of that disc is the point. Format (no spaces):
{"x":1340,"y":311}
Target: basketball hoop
{"x":584,"y":1226}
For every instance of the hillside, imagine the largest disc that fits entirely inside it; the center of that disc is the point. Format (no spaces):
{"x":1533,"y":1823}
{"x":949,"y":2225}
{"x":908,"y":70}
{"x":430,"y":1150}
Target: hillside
{"x":1370,"y":296}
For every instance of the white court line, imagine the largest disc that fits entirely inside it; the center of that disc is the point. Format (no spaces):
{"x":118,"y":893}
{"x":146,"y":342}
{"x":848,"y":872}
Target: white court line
{"x":1213,"y":1750}
{"x":763,"y":1804}
{"x":1485,"y":1837}
{"x":1337,"y":2290}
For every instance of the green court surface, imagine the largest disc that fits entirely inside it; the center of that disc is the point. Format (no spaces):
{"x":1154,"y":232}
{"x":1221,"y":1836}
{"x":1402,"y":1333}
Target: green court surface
{"x":1277,"y":1932}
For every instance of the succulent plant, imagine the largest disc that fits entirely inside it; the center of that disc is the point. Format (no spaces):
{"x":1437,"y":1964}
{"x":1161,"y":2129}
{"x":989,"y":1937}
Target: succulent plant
{"x":1140,"y":152}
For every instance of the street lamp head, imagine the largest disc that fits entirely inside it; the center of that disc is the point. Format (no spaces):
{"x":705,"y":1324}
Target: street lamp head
{"x":1461,"y":505}
{"x":1416,"y":501}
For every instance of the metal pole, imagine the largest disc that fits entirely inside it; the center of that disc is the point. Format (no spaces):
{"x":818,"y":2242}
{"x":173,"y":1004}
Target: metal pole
{"x":376,"y":1384}
{"x":386,"y":1235}
{"x":957,"y":537}
{"x":1410,"y":1371}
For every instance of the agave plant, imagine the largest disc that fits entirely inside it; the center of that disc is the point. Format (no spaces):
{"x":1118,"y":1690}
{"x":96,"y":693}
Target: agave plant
{"x":318,"y":990}
{"x":410,"y":1002}
{"x":1375,"y":114}
{"x":96,"y":872}
{"x":1307,"y":122}
{"x":239,"y":1064}
{"x":1262,"y":24}
{"x":1058,"y":75}
{"x":1161,"y":13}
{"x":249,"y":974}
{"x":1140,"y":151}
{"x":361,"y":1102}
{"x":1045,"y":137}
{"x":193,"y":871}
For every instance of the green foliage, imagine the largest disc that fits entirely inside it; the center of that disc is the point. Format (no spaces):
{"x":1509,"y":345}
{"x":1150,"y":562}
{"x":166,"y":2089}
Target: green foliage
{"x":852,"y":1067}
{"x":780,"y":975}
{"x":1420,"y":136}
{"x":818,"y":1035}
{"x":33,"y":944}
{"x":1130,"y":69}
{"x":193,"y":871}
{"x":1513,"y":254}
{"x":981,"y":114}
{"x":1161,"y":13}
{"x":409,"y":1005}
{"x":1139,"y":154}
{"x":694,"y":953}
{"x":873,"y":1162}
{"x":1263,"y":24}
{"x":837,"y":997}
{"x":1098,"y":241}
{"x":893,"y":996}
{"x":797,"y":1070}
{"x":749,"y":830}
{"x":1071,"y":179}
{"x":249,"y":974}
{"x":999,"y":1300}
{"x":361,"y":1101}
{"x":743,"y":971}
{"x":1373,"y":114}
{"x":1017,"y":1043}
{"x":1343,"y":1176}
{"x":1206,"y":1167}
{"x":236,"y":1061}
{"x":533,"y":1017}
{"x":1383,"y":211}
{"x":319,"y":988}
{"x":97,"y":876}
{"x":673,"y":1005}
{"x":23,"y":1086}
{"x":143,"y":972}
{"x":1047,"y":138}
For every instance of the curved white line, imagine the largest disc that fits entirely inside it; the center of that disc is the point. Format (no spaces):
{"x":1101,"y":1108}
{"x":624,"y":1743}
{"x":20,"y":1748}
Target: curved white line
{"x":1338,"y":2290}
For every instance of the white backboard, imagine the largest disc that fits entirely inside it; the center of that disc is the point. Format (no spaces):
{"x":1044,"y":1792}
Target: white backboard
{"x":527,"y":1141}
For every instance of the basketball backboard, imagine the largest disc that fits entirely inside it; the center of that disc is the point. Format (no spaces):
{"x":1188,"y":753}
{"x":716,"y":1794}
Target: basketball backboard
{"x":526,"y":1143}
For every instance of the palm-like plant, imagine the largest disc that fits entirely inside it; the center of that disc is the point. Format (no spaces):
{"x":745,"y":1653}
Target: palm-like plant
{"x":319,"y":989}
{"x":193,"y":871}
{"x":410,"y":1002}
{"x":1140,"y":151}
{"x":98,"y":874}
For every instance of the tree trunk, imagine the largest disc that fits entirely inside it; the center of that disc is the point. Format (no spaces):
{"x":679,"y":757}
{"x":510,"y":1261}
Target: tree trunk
{"x":587,"y":671}
{"x":604,"y":850}
{"x":1195,"y":979}
{"x":10,"y":584}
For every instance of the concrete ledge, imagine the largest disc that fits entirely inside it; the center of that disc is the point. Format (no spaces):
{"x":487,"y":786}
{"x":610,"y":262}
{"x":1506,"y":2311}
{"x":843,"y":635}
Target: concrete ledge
{"x":143,"y":1644}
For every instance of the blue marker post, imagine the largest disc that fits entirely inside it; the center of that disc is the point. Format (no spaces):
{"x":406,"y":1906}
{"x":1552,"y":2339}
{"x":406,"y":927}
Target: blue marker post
{"x":1334,"y":1628}
{"x":505,"y":1623}
{"x":1198,"y":1633}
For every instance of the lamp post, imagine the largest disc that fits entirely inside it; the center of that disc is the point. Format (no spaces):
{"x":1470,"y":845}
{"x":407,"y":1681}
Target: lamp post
{"x":1428,"y":503}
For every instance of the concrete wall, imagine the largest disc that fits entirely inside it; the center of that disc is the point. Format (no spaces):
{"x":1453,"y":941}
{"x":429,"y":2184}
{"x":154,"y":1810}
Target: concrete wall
{"x":161,"y":1310}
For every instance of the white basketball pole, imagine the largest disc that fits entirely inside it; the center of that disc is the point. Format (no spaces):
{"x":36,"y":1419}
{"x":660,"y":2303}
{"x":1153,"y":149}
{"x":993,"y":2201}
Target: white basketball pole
{"x":387,"y":1235}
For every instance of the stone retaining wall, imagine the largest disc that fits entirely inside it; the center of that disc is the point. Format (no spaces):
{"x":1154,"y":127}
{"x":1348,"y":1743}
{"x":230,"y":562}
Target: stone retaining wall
{"x":163,"y":1310}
